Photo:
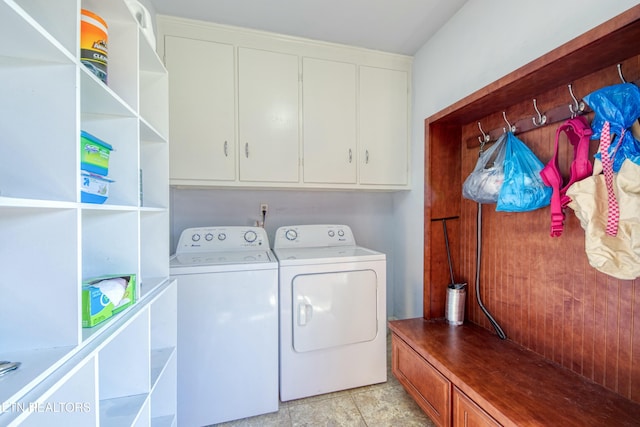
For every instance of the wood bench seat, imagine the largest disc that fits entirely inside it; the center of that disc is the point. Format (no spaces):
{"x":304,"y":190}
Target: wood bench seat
{"x":465,"y":375}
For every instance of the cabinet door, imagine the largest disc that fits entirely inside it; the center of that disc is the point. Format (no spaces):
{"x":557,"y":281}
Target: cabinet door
{"x":383,"y":126}
{"x":202,"y":106}
{"x":466,"y":413}
{"x":329,"y":121}
{"x":428,"y":387}
{"x":268,"y":116}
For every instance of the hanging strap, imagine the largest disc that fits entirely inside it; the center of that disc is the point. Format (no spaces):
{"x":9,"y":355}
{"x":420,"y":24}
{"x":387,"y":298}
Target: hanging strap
{"x":613,"y":211}
{"x":578,"y":134}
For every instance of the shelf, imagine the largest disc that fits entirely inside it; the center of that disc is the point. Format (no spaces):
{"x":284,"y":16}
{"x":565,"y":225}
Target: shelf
{"x":21,"y":203}
{"x":159,"y":360}
{"x":35,"y":366}
{"x":123,"y":363}
{"x":164,"y":396}
{"x":164,"y":315}
{"x":122,"y":134}
{"x":123,"y":56}
{"x":152,"y":172}
{"x":151,"y":286}
{"x":56,"y":18}
{"x":122,"y":411}
{"x":166,"y":421}
{"x":149,"y":134}
{"x":29,"y":292}
{"x":109,"y":243}
{"x":150,"y":290}
{"x":110,"y":326}
{"x":154,"y":248}
{"x":99,"y":99}
{"x":154,"y":89}
{"x":89,"y":207}
{"x":164,"y":366}
{"x":70,"y":393}
{"x":42,"y":119}
{"x":35,"y":42}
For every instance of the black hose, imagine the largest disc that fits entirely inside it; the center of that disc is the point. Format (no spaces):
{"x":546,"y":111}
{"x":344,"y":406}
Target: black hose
{"x":495,"y":325}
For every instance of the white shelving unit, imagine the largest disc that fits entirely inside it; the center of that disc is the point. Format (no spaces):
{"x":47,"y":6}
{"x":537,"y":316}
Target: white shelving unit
{"x":123,"y":371}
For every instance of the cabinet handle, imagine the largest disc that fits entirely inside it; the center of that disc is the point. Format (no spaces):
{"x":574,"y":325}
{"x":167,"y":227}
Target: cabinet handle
{"x":246,"y":150}
{"x":226,"y":149}
{"x":350,"y":155}
{"x":366,"y":157}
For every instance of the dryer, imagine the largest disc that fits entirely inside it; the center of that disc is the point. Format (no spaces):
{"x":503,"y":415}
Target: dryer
{"x":332,"y":311}
{"x":227,"y":281}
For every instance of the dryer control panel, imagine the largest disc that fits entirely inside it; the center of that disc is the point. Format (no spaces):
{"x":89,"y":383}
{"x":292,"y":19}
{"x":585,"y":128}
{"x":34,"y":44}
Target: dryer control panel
{"x":215,"y":239}
{"x":313,"y":236}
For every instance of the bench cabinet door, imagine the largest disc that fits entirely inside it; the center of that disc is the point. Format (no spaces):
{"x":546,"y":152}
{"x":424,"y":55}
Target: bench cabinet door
{"x":428,"y":387}
{"x":467,"y":413}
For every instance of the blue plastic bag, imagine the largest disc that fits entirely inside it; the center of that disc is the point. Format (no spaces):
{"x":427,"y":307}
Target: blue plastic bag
{"x":523,"y":189}
{"x":620,"y":106}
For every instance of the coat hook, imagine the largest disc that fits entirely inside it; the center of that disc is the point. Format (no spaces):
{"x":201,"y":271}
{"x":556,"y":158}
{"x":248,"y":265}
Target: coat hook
{"x":577,"y":107}
{"x":511,"y":128}
{"x":542,"y":118}
{"x":620,"y":73}
{"x":485,"y":137}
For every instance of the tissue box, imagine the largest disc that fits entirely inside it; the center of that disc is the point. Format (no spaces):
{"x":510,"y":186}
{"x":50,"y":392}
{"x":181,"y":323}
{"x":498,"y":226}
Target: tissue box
{"x":104,"y":296}
{"x":94,"y":154}
{"x":93,"y":188}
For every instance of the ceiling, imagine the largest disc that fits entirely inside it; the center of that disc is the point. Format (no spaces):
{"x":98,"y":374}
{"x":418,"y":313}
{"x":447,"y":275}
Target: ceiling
{"x":398,"y":26}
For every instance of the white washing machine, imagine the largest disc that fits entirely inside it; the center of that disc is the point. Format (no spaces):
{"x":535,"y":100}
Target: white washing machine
{"x":332,"y":311}
{"x":227,"y":324}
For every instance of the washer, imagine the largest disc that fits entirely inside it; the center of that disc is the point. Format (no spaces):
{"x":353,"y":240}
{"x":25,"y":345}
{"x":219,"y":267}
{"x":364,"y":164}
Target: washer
{"x":332,"y":311}
{"x":227,"y":324}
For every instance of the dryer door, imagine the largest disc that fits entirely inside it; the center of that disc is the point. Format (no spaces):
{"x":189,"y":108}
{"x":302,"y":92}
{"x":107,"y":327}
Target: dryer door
{"x":334,"y":309}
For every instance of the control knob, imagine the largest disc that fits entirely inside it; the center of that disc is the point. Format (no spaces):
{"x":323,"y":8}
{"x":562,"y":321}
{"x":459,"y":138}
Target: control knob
{"x":291,"y":234}
{"x":250,"y":236}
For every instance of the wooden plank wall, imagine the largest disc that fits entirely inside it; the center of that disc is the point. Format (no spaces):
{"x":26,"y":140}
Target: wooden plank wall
{"x":542,"y":290}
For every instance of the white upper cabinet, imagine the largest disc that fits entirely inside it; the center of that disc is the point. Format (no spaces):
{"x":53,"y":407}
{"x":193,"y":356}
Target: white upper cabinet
{"x":201,"y":109}
{"x":384,"y":139}
{"x":263,"y":110}
{"x":329,"y":121}
{"x":268,"y":116}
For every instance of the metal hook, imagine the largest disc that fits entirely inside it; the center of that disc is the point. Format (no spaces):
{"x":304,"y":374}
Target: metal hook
{"x":511,"y":128}
{"x":620,"y":73}
{"x":485,"y":137}
{"x":542,"y":118}
{"x":577,"y":107}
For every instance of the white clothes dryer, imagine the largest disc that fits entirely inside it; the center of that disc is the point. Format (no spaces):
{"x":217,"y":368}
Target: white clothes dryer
{"x":332,"y":311}
{"x":227,"y":281}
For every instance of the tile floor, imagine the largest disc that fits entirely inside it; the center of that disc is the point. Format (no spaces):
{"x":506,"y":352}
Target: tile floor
{"x":379,"y":405}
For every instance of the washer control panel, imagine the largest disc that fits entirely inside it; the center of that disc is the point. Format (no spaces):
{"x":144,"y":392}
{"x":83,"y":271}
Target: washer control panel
{"x":215,"y":239}
{"x":313,"y":236}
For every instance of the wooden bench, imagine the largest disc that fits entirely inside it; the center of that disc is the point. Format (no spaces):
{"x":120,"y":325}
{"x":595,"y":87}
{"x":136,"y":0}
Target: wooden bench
{"x":465,"y":375}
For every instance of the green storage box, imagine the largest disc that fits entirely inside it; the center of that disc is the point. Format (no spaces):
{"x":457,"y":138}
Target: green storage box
{"x":94,"y":154}
{"x":104,"y":296}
